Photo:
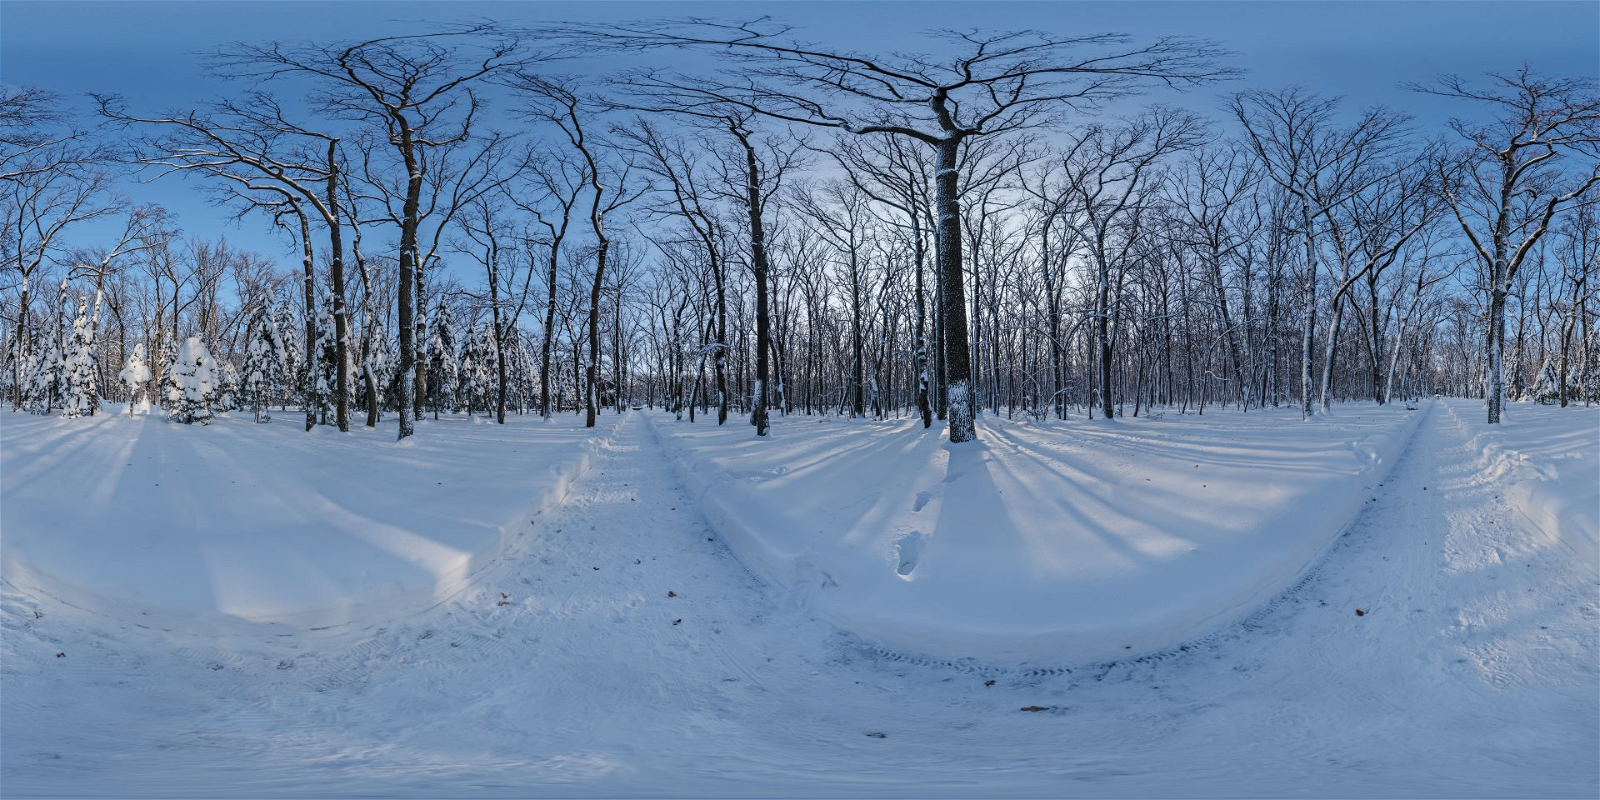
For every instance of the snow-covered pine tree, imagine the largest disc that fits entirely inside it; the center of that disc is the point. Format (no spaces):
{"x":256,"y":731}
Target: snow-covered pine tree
{"x":10,"y":354}
{"x":378,"y":364}
{"x":35,"y":386}
{"x":478,"y":365}
{"x":470,"y":356}
{"x":292,"y":381}
{"x":46,"y":371}
{"x":168,"y":392}
{"x":1547,"y":388}
{"x":196,"y":379}
{"x":135,"y":375}
{"x":487,"y":377}
{"x":520,"y":379}
{"x":263,"y":363}
{"x":81,"y":395}
{"x":227,"y":394}
{"x":325,"y":362}
{"x":1589,"y":377}
{"x":444,"y":370}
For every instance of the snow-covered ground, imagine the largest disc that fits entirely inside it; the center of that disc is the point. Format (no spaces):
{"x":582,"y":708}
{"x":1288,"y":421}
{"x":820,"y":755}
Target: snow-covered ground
{"x":216,"y":527}
{"x":1547,"y":466}
{"x":621,"y":649}
{"x":1043,"y":544}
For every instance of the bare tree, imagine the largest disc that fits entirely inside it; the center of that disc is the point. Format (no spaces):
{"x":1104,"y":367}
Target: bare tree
{"x":1002,"y":83}
{"x":1320,"y":165}
{"x":1113,"y":174}
{"x":51,"y":182}
{"x":559,"y":178}
{"x":267,"y":162}
{"x":418,"y":91}
{"x":558,"y":103}
{"x":1511,"y":177}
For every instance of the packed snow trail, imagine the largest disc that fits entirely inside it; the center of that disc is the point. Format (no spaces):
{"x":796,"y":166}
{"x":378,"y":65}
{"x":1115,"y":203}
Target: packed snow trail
{"x":573,"y":672}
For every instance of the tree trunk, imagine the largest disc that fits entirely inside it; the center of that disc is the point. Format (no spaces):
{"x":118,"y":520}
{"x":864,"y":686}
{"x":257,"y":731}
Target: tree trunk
{"x":953,"y":305}
{"x":758,"y":264}
{"x":313,"y":400}
{"x":1495,"y":387}
{"x":405,"y":303}
{"x":1310,"y":316}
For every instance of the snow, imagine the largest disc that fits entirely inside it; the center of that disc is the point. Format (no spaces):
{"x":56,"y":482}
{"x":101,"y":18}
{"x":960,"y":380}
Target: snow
{"x":559,"y":671}
{"x":1546,"y":458}
{"x":1056,"y":543}
{"x":267,"y":525}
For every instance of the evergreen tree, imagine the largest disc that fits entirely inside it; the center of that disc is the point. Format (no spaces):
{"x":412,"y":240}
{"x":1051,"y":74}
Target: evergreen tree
{"x":227,"y":394}
{"x":81,"y":396}
{"x":378,"y":363}
{"x":9,"y":357}
{"x":443,"y":367}
{"x":46,"y":368}
{"x":134,"y":376}
{"x":1589,"y":377}
{"x":293,"y":381}
{"x":324,"y":364}
{"x":168,"y":391}
{"x":196,"y":379}
{"x":263,"y":362}
{"x":1547,"y":389}
{"x":478,"y":383}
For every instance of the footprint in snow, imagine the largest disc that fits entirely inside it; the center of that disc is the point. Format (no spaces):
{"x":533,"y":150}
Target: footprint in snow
{"x":909,"y":548}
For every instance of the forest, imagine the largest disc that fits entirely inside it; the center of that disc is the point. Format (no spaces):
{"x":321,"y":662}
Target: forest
{"x":872,"y":399}
{"x":800,"y":231}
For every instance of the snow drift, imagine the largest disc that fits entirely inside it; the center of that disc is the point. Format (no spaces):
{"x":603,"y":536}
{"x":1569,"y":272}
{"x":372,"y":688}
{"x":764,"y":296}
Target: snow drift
{"x":269,"y":524}
{"x":1044,"y":543}
{"x":1545,"y":458}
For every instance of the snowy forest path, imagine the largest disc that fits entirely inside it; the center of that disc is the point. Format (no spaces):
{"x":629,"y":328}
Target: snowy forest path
{"x":627,"y":652}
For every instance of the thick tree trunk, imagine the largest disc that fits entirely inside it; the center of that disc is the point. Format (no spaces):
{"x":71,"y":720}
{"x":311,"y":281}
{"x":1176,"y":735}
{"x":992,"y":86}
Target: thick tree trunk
{"x":1102,"y":325}
{"x":1325,"y":393}
{"x":919,"y":255}
{"x":313,"y":400}
{"x":549,"y":329}
{"x":758,"y":265}
{"x":953,"y":305}
{"x":21,"y":346}
{"x":405,"y":303}
{"x":1495,"y":387}
{"x":420,"y":340}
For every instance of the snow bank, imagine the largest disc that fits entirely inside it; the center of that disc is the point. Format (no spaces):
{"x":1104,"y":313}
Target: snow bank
{"x":269,"y":524}
{"x":1547,"y":461}
{"x":1054,"y":543}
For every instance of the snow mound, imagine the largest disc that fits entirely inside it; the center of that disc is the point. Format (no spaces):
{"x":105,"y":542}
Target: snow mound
{"x":1547,"y":462}
{"x":1041,"y":543}
{"x":269,"y":524}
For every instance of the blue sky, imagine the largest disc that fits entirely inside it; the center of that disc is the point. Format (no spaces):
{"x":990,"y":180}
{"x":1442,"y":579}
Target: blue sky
{"x":146,"y":51}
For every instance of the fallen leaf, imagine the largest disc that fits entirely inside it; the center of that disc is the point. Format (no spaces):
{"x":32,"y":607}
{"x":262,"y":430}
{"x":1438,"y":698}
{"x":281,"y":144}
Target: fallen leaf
{"x":671,"y":593}
{"x":1360,"y":613}
{"x":988,"y":683}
